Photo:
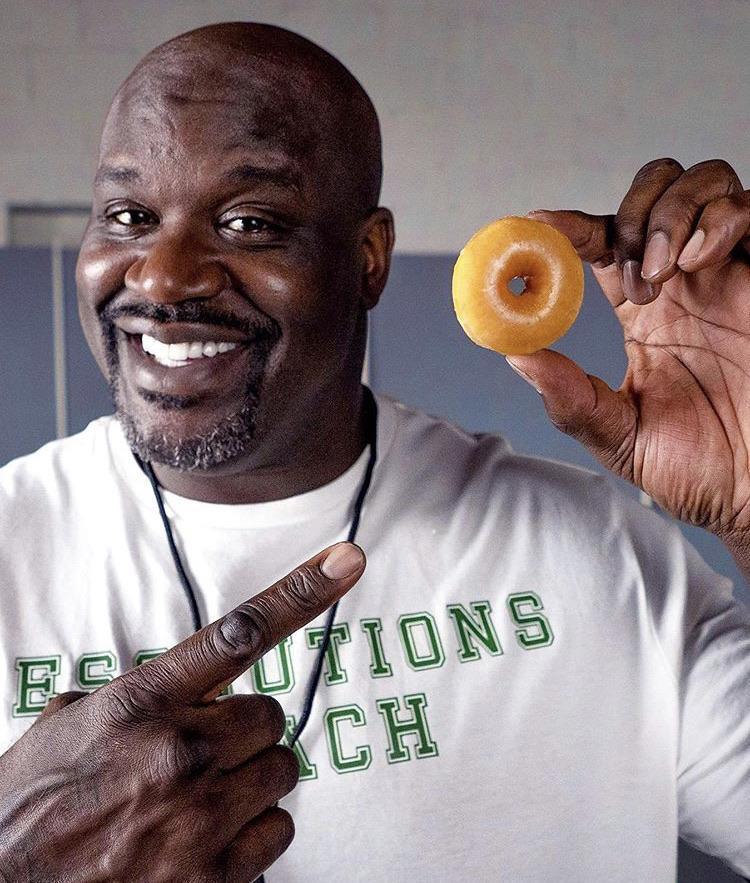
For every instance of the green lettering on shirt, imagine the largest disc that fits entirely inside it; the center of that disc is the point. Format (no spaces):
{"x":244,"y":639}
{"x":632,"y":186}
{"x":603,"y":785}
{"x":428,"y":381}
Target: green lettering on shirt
{"x":472,"y":627}
{"x":398,"y":727}
{"x":335,"y":672}
{"x":284,"y":680}
{"x":361,"y":757}
{"x":424,"y":652}
{"x":379,"y":667}
{"x":307,"y":769}
{"x":533,"y":629}
{"x":36,"y":684}
{"x":96,"y":669}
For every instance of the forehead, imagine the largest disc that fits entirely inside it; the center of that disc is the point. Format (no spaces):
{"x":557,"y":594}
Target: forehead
{"x":202,"y":117}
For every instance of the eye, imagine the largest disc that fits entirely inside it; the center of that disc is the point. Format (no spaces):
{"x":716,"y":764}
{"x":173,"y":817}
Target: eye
{"x":250,"y":224}
{"x":130,"y":217}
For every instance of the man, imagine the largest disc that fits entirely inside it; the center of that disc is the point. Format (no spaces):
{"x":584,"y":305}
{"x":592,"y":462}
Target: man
{"x":533,"y":679}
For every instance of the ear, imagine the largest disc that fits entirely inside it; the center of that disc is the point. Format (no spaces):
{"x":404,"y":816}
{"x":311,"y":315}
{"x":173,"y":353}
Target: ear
{"x":377,"y":237}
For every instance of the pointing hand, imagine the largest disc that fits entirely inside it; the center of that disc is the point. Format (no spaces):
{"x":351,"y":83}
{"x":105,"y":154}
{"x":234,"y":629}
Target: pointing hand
{"x":149,"y":778}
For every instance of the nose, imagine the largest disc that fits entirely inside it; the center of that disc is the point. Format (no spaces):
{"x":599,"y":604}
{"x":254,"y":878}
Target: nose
{"x":175,"y":269}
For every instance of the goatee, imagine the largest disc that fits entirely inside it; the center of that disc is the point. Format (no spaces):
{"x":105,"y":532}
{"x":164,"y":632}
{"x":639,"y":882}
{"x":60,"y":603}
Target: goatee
{"x":231,"y":436}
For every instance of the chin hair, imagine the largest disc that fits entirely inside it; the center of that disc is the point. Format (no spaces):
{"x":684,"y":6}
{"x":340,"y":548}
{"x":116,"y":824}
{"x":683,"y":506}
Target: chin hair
{"x":228,"y":439}
{"x":231,"y":437}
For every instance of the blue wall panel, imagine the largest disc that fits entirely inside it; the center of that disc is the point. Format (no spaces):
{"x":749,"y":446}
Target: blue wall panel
{"x":27,"y":401}
{"x":88,"y":395}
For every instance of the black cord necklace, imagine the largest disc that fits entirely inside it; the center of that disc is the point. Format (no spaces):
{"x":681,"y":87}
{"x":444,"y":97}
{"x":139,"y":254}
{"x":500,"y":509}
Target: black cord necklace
{"x":371,"y":420}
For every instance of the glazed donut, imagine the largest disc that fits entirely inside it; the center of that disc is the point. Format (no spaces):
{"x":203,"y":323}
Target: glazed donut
{"x":493,"y":315}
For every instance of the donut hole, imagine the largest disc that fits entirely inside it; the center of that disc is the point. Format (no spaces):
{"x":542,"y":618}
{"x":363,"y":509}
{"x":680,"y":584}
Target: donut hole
{"x":517,"y":285}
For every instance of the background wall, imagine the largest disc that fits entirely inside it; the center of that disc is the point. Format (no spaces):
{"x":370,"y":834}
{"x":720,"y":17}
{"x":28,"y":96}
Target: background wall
{"x":488,"y":108}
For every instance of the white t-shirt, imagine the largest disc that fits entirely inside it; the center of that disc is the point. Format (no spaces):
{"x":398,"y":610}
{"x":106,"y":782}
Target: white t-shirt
{"x":534,"y":679}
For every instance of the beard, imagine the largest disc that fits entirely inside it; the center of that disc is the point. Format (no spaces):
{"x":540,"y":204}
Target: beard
{"x":226,"y":439}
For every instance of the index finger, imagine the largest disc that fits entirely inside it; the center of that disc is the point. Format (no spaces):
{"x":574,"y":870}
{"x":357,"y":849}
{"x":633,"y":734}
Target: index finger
{"x":592,"y":236}
{"x":208,"y":660}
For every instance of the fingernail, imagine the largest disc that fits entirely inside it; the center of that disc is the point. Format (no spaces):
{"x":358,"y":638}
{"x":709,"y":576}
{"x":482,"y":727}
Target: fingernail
{"x":656,"y":257}
{"x":522,"y":374}
{"x":636,"y":288}
{"x":692,"y":248}
{"x":342,"y":561}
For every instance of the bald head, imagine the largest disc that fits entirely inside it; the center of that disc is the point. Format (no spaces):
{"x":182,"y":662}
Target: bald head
{"x":235,"y":202}
{"x":276,"y":88}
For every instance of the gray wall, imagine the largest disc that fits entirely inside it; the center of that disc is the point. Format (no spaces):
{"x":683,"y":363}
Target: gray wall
{"x":489,"y":107}
{"x":418,"y":353}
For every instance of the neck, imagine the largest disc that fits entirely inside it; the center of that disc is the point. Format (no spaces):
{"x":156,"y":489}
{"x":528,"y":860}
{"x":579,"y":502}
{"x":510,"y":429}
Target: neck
{"x":318,"y":457}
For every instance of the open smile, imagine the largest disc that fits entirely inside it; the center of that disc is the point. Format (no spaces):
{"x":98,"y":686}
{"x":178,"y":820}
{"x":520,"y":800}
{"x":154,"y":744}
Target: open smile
{"x":201,"y":375}
{"x":178,"y":355}
{"x":183,"y":359}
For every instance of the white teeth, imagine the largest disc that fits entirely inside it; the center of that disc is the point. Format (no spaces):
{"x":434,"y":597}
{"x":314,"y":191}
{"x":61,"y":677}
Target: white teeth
{"x":175,"y":355}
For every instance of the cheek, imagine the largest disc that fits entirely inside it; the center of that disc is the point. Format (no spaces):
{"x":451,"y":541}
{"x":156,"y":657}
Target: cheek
{"x":99,"y":275}
{"x":305,"y":289}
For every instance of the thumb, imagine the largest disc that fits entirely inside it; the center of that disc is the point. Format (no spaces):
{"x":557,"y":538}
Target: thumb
{"x":584,"y":407}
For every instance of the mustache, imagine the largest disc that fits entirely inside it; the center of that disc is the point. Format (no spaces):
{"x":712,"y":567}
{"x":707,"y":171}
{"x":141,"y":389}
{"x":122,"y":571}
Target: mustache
{"x":263,"y":327}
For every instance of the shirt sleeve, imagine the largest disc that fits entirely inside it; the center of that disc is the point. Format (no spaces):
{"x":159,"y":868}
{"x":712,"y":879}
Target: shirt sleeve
{"x":713,"y":774}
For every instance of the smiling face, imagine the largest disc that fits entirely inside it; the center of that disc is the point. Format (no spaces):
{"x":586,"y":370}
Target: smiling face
{"x":233,"y":249}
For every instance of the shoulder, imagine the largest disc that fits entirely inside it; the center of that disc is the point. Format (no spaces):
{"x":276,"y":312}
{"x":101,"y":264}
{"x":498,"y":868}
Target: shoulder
{"x":478,"y":490}
{"x":482,"y":467}
{"x":469,"y":504}
{"x":51,"y":477}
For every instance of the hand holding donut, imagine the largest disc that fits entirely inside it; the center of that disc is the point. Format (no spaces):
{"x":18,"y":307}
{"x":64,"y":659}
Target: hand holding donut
{"x":674,"y":262}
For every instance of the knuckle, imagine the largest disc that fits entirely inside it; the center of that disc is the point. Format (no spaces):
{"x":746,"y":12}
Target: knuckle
{"x":253,"y":626}
{"x":628,"y":222}
{"x":62,"y":700}
{"x":274,"y":832}
{"x":719,"y":167}
{"x":283,"y":768}
{"x":658,"y":168}
{"x":269,"y":717}
{"x":591,"y":238}
{"x":240,"y":631}
{"x":733,"y":203}
{"x":180,"y":754}
{"x":202,"y":818}
{"x":129,"y":703}
{"x":304,"y":591}
{"x":630,"y":229}
{"x":718,"y":209}
{"x":284,"y":825}
{"x":567,"y":424}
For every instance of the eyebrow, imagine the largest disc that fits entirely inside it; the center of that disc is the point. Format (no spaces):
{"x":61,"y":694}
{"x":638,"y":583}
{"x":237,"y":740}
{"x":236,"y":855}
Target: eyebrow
{"x":241,"y":174}
{"x":116,"y":175}
{"x":246,"y":172}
